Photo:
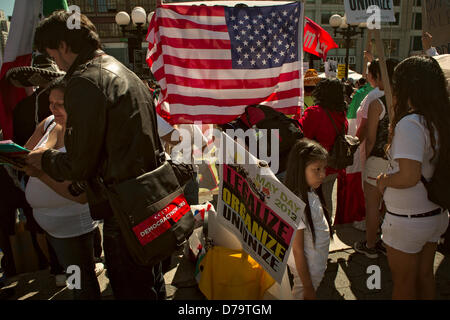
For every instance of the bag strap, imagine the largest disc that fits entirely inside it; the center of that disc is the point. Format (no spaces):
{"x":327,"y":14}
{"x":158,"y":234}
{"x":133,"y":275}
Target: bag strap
{"x":159,"y":153}
{"x":334,"y":124}
{"x":48,"y":125}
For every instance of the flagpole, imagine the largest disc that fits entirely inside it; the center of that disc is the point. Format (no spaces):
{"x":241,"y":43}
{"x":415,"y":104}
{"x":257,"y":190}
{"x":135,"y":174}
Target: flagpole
{"x":301,"y":54}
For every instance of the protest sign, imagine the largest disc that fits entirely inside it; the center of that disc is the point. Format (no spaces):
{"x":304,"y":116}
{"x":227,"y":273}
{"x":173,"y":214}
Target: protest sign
{"x":331,"y":69}
{"x":358,"y":11}
{"x":257,"y":208}
{"x":436,"y":21}
{"x":341,"y":71}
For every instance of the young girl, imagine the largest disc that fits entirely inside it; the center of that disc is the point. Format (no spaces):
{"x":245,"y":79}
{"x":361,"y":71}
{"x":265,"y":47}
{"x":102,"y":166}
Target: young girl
{"x":308,"y":260}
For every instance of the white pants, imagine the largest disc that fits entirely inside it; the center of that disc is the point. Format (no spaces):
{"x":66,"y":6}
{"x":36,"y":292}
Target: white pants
{"x":411,"y":234}
{"x":374,"y":167}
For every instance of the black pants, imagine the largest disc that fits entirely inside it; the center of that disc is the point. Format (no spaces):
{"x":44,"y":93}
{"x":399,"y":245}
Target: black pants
{"x":55,"y":266}
{"x":7,"y":221}
{"x":129,"y":280}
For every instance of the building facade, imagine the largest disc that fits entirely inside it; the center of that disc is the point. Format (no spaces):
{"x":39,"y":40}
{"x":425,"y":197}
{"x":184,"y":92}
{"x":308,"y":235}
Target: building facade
{"x":401,"y":39}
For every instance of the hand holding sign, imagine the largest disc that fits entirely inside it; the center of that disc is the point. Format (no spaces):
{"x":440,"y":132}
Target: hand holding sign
{"x":368,"y":56}
{"x":427,"y":40}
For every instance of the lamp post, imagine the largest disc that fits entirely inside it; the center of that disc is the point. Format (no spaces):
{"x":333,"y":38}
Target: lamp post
{"x":340,"y":26}
{"x":139,"y":18}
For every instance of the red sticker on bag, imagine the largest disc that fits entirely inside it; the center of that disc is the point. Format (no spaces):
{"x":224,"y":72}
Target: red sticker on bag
{"x":160,"y":222}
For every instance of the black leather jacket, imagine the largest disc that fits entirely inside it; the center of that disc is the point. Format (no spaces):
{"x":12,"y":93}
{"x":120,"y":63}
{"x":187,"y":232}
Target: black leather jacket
{"x":111,"y":127}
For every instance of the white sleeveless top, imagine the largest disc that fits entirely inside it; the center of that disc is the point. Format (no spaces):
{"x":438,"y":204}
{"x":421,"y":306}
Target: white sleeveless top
{"x":58,"y":216}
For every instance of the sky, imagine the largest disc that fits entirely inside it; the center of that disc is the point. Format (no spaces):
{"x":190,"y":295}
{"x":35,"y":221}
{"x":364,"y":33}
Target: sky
{"x":7,"y":6}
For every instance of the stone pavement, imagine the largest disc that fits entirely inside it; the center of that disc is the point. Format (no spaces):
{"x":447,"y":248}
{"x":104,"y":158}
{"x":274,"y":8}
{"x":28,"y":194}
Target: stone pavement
{"x":345,"y":277}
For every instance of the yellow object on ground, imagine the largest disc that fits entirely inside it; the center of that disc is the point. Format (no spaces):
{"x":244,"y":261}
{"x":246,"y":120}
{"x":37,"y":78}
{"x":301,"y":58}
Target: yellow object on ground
{"x":230,"y":274}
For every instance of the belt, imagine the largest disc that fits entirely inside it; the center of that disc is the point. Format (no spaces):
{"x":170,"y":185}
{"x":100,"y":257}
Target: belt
{"x":420,"y":215}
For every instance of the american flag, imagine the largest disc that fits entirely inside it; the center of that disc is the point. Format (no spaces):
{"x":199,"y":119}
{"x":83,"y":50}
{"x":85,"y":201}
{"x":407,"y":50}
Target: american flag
{"x":213,"y":61}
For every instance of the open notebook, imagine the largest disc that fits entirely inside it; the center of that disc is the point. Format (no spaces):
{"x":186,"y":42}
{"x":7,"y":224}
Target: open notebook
{"x":11,"y":153}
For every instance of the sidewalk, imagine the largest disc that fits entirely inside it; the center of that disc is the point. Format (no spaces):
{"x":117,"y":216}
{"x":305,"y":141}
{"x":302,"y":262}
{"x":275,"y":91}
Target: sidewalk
{"x":345,"y":277}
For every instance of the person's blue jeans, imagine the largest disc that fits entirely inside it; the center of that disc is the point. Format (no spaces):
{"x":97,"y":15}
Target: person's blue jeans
{"x":79,"y":251}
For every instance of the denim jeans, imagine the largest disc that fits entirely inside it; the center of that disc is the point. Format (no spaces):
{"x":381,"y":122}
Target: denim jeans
{"x":79,"y":251}
{"x":129,"y":280}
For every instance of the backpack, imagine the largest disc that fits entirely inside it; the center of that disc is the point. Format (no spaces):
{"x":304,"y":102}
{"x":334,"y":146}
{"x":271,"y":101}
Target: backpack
{"x":265,"y":117}
{"x":437,"y":187}
{"x":344,"y":147}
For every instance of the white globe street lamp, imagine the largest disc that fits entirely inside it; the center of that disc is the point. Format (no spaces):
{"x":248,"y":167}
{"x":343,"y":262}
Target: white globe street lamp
{"x":122,"y":18}
{"x":139,"y":19}
{"x":340,"y":26}
{"x":335,"y":20}
{"x":139,"y":16}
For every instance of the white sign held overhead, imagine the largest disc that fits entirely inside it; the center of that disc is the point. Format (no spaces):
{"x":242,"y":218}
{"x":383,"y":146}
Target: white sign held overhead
{"x":372,"y":12}
{"x":331,"y":69}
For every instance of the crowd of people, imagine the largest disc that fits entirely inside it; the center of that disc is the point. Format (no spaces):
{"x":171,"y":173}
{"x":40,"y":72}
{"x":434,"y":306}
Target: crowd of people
{"x":99,"y":129}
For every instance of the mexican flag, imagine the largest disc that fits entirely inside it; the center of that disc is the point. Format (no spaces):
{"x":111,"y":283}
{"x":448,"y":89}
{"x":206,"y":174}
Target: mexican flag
{"x":19,"y":47}
{"x":352,"y":207}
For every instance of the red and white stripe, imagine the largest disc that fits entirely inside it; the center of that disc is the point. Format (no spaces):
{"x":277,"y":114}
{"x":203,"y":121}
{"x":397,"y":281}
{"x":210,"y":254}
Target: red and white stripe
{"x":190,"y":57}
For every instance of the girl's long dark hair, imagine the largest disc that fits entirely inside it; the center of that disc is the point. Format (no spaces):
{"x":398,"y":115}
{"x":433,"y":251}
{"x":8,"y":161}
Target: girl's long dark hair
{"x":303,"y":153}
{"x":419,"y":86}
{"x":329,"y":94}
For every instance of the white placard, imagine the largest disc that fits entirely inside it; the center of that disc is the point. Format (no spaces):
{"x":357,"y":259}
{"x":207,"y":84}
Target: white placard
{"x":258,"y":209}
{"x":331,"y":68}
{"x":358,"y":11}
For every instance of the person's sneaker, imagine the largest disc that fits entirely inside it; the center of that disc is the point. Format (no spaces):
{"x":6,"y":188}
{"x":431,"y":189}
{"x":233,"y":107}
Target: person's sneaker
{"x":99,"y":267}
{"x":380,"y":247}
{"x":361,"y":247}
{"x":60,"y":280}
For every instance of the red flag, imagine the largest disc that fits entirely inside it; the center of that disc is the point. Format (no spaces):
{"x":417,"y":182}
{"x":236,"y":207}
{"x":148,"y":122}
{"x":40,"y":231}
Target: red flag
{"x":213,"y":61}
{"x":316,"y":40}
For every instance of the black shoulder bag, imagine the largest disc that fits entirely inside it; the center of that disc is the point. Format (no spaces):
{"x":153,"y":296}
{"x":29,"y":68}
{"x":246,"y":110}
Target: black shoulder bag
{"x":344,"y":147}
{"x":151,"y":210}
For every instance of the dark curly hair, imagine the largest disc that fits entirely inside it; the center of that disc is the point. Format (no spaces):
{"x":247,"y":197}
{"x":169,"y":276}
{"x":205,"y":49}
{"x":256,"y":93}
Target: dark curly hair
{"x":303,"y":153}
{"x":419,"y":86}
{"x":53,"y":29}
{"x":329,"y":94}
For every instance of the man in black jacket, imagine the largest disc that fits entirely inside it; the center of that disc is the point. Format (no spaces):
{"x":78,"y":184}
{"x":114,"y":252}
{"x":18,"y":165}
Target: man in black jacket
{"x":110,"y":137}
